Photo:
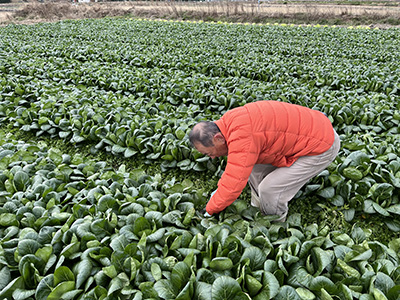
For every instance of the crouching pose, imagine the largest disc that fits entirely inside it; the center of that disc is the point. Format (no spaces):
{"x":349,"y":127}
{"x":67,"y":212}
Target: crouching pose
{"x":275,"y":146}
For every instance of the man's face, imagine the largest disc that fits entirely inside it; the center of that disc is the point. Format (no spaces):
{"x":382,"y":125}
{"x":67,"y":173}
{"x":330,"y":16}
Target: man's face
{"x":219,"y":149}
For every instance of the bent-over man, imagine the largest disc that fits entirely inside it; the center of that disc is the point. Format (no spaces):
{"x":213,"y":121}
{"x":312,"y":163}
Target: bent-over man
{"x":275,"y":146}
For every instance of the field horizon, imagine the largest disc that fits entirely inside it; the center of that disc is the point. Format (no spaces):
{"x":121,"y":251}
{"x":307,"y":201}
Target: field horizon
{"x":379,"y":14}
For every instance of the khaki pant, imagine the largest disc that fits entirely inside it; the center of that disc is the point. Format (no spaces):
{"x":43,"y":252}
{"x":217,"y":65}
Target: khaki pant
{"x":272,"y":188}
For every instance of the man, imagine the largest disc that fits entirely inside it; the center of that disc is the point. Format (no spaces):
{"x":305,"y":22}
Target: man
{"x":275,"y":146}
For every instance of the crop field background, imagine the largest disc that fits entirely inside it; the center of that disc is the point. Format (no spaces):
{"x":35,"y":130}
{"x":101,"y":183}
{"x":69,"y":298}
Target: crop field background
{"x":100,"y":190}
{"x":380,"y":13}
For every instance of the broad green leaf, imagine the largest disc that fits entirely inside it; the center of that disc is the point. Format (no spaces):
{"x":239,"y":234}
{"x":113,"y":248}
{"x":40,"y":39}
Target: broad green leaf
{"x":221,"y":263}
{"x":62,"y":274}
{"x":17,"y":283}
{"x":202,"y":291}
{"x":180,"y":275}
{"x":325,"y":295}
{"x":393,"y":293}
{"x":44,"y":287}
{"x":383,"y":282}
{"x":8,"y":219}
{"x":186,"y":293}
{"x":119,"y":243}
{"x":141,"y":225}
{"x":323,"y":259}
{"x":303,"y":277}
{"x":305,"y":294}
{"x":394,"y":209}
{"x":270,"y":287}
{"x":21,"y":294}
{"x":256,"y":257}
{"x":165,"y":289}
{"x":21,"y":180}
{"x":61,"y":289}
{"x":348,"y":270}
{"x":84,"y":269}
{"x":27,"y":246}
{"x":357,"y":256}
{"x":287,"y":292}
{"x":5,"y":277}
{"x":379,"y":209}
{"x":252,"y":285}
{"x":156,"y":271}
{"x":116,"y":284}
{"x":378,"y":294}
{"x":322,"y":282}
{"x":225,"y":287}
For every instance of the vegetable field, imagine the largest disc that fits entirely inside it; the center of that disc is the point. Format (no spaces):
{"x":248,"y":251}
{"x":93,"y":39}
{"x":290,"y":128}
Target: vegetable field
{"x":74,"y":226}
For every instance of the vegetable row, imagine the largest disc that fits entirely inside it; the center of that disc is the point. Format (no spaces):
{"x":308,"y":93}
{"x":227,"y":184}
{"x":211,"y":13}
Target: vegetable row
{"x":74,"y":228}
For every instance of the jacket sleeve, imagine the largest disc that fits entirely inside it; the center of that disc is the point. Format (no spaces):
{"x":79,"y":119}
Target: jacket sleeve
{"x":242,"y":156}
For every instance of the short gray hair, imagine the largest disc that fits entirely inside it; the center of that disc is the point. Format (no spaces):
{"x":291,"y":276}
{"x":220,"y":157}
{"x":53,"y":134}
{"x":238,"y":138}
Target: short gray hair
{"x":203,"y":133}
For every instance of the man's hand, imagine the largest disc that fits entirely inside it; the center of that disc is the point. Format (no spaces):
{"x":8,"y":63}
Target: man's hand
{"x":204,"y":213}
{"x":207,"y":215}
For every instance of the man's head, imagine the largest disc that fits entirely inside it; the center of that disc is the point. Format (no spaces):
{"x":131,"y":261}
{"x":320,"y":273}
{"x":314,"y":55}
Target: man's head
{"x":208,"y":139}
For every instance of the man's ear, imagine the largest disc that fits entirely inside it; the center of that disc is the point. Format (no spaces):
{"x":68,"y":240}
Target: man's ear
{"x":219,"y":138}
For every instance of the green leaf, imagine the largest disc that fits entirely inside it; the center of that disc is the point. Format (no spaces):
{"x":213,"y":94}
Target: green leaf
{"x":8,"y":219}
{"x":62,"y":274}
{"x":323,"y":258}
{"x":305,"y":294}
{"x":17,"y":283}
{"x":270,"y":287}
{"x":180,"y":275}
{"x":393,"y":293}
{"x":221,"y":264}
{"x":56,"y":156}
{"x":118,"y":149}
{"x":165,"y":289}
{"x":21,"y":181}
{"x":21,"y":294}
{"x":352,"y":173}
{"x":394,"y":209}
{"x":156,"y":271}
{"x":141,"y":225}
{"x":5,"y":277}
{"x":348,"y":270}
{"x":325,"y":295}
{"x":256,"y":257}
{"x":327,"y":193}
{"x":321,"y":282}
{"x":358,"y":256}
{"x":202,"y":291}
{"x":186,"y":293}
{"x":380,"y":209}
{"x":44,"y":287}
{"x":119,"y":243}
{"x":378,"y":295}
{"x":287,"y":292}
{"x":116,"y":284}
{"x":129,"y":152}
{"x":383,"y":282}
{"x":252,"y":285}
{"x":84,"y":269}
{"x":225,"y":287}
{"x":27,"y":246}
{"x":180,"y":134}
{"x":61,"y":289}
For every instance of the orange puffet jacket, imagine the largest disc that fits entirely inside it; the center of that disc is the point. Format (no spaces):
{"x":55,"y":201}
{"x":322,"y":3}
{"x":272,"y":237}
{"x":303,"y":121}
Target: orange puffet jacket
{"x":266,"y":132}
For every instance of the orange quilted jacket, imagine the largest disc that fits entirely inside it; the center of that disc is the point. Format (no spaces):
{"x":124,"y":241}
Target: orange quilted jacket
{"x":266,"y":132}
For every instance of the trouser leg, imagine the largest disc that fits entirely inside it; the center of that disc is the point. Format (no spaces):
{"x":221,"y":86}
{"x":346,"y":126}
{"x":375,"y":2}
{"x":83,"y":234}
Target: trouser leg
{"x":280,"y":185}
{"x":257,"y":175}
